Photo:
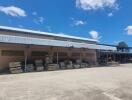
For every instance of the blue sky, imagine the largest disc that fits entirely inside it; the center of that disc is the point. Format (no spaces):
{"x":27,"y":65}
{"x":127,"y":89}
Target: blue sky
{"x":108,"y":21}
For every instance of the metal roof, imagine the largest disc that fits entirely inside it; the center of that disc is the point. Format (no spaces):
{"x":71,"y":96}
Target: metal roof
{"x":45,"y":33}
{"x":48,"y":42}
{"x":117,"y":52}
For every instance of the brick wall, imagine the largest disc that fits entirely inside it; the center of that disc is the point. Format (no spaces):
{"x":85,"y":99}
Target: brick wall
{"x":86,"y":54}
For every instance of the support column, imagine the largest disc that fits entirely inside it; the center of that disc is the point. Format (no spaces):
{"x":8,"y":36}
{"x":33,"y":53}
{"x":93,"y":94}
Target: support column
{"x":51,"y":54}
{"x":25,"y":60}
{"x":114,"y":57}
{"x":107,"y":55}
{"x":57,"y":56}
{"x":120,"y":58}
{"x":80,"y":55}
{"x":26,"y":57}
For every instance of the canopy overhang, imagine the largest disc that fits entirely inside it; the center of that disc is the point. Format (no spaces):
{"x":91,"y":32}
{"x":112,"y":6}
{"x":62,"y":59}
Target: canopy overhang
{"x":49,"y":42}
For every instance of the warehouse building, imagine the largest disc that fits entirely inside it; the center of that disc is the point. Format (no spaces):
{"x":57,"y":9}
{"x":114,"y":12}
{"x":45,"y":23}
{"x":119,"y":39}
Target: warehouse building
{"x":121,"y":55}
{"x":22,"y":45}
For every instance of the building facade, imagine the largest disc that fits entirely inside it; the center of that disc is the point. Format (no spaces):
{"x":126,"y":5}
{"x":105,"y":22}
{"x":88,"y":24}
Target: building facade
{"x":27,"y":45}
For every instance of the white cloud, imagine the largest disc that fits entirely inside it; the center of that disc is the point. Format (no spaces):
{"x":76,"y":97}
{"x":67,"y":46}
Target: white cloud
{"x":39,"y":20}
{"x":96,"y":4}
{"x":129,"y":30}
{"x":94,"y":35}
{"x":110,"y":14}
{"x":13,"y":11}
{"x":79,"y":22}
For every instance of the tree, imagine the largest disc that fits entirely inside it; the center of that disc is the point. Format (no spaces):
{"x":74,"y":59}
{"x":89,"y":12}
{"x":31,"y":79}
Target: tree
{"x":123,"y":46}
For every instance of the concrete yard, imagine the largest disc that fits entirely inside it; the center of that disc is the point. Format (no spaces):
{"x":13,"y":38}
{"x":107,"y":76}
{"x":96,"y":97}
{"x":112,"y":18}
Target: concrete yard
{"x":100,"y":83}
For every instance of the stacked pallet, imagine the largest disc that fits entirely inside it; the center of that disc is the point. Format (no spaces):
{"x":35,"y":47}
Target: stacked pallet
{"x":15,"y":67}
{"x":62,"y":65}
{"x":76,"y":66}
{"x":48,"y":60}
{"x":52,"y":67}
{"x":84,"y":65}
{"x":39,"y":65}
{"x":78,"y":61}
{"x":69,"y":65}
{"x":30,"y":68}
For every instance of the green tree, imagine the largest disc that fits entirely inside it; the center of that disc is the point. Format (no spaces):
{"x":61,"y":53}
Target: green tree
{"x":123,"y":46}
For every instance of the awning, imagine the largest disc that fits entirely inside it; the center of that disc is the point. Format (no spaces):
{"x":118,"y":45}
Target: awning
{"x":48,"y":42}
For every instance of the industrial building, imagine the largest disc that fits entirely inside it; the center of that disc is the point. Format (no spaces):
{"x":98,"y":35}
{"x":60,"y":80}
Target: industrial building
{"x":22,"y":45}
{"x":122,"y":55}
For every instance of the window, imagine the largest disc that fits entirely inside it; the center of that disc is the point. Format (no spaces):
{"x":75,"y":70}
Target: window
{"x":12,"y":53}
{"x":39,"y":53}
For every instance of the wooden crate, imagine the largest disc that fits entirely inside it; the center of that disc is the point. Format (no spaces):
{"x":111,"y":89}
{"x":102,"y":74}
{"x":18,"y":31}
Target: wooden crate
{"x":15,"y":67}
{"x":14,"y":64}
{"x":39,"y":65}
{"x":84,"y":65}
{"x":16,"y":71}
{"x":38,"y":62}
{"x":40,"y":68}
{"x":62,"y":65}
{"x":76,"y":66}
{"x":69,"y":66}
{"x":52,"y":67}
{"x":30,"y":67}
